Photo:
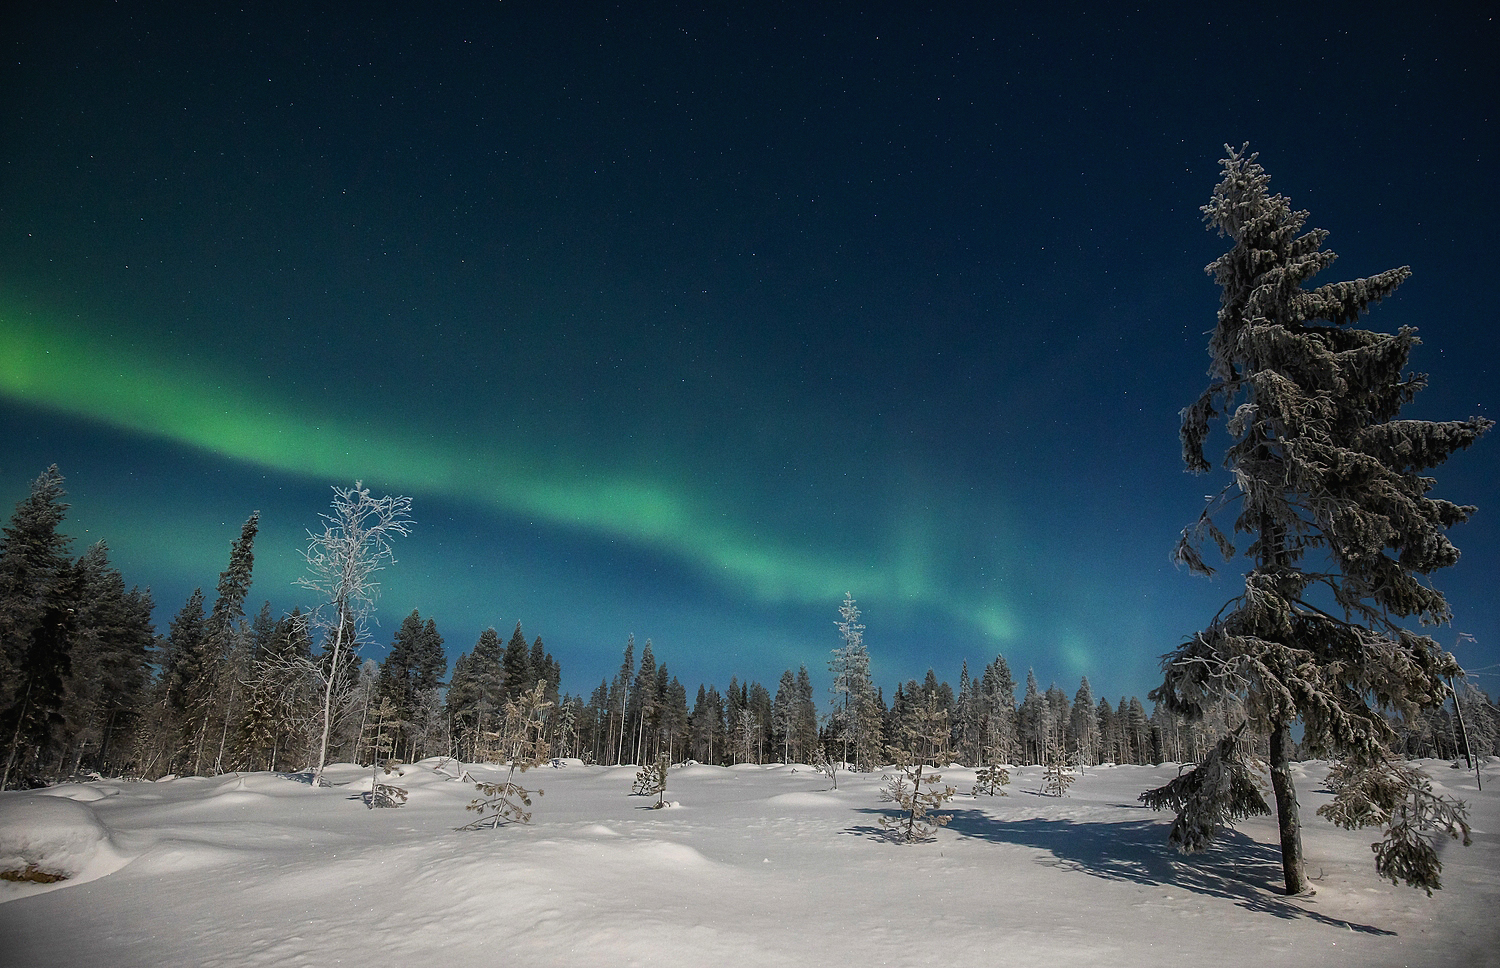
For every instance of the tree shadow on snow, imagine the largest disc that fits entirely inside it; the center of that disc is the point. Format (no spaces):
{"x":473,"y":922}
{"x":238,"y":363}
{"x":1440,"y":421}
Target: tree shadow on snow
{"x":1237,"y":868}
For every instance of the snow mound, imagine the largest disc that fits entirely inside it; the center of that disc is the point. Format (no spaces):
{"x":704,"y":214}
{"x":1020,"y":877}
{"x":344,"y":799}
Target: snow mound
{"x":82,"y":792}
{"x":669,"y":855}
{"x":599,"y":830}
{"x":806,"y":800}
{"x":56,"y":836}
{"x":702,"y":770}
{"x":178,"y":856}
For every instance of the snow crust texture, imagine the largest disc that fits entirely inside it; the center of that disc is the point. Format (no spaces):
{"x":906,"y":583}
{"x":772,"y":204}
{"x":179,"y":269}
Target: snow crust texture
{"x":760,"y":865}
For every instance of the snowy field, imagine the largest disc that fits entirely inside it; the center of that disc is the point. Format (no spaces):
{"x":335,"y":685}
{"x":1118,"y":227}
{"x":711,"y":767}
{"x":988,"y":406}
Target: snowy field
{"x":757,"y":866}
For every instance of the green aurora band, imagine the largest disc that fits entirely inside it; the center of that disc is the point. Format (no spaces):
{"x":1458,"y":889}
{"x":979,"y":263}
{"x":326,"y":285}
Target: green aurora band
{"x":87,"y":377}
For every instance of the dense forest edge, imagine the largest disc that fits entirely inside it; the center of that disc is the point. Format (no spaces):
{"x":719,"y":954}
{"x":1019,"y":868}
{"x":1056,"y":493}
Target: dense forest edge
{"x":91,"y":687}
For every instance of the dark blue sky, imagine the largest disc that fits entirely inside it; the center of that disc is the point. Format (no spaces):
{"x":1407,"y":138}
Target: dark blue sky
{"x":685,"y":322}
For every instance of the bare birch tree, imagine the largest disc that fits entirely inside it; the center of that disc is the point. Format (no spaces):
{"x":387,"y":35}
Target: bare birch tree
{"x":342,"y":562}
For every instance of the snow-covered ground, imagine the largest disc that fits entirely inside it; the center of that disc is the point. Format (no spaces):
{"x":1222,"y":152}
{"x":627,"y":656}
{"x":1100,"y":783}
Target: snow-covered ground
{"x":757,"y":866}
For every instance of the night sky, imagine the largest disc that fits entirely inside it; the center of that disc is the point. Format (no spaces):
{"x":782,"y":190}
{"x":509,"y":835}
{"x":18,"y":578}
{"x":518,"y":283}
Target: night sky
{"x":684,"y":322}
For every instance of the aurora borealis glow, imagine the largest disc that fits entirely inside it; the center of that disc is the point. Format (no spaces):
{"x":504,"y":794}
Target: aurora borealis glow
{"x":685,"y":323}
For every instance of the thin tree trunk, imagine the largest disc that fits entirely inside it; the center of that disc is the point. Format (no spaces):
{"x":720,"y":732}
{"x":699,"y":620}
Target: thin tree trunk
{"x":1287,"y":818}
{"x":15,"y":740}
{"x":224,"y":736}
{"x":202,"y":735}
{"x":333,"y":671}
{"x":620,"y":752}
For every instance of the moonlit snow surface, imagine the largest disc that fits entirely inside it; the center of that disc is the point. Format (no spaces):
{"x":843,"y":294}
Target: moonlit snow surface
{"x":757,"y":865}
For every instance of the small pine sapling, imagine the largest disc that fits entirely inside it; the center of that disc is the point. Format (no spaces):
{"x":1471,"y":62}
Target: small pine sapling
{"x":1386,"y":792}
{"x":387,"y":794}
{"x":827,"y":766}
{"x":522,"y":743}
{"x":383,"y":794}
{"x":651,"y":781}
{"x":1223,"y":788}
{"x":1057,"y":774}
{"x":916,"y":790}
{"x":992,"y":776}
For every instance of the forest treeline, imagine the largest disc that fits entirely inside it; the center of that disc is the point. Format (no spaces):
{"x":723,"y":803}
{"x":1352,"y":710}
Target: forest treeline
{"x":88,"y":685}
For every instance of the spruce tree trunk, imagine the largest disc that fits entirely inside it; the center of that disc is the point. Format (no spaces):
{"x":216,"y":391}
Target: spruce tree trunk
{"x":1287,"y":818}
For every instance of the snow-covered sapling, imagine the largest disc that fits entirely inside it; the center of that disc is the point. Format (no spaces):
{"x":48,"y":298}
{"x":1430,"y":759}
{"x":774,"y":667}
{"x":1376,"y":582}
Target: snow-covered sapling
{"x":827,"y":765}
{"x":651,"y":781}
{"x":991,"y":776}
{"x":916,"y":790}
{"x":1057,"y":773}
{"x":990,"y":779}
{"x":387,"y":794}
{"x":383,"y":794}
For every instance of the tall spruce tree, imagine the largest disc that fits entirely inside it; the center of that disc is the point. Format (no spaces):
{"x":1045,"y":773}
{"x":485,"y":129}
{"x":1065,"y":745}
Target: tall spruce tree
{"x":476,"y":692}
{"x":516,"y":663}
{"x":217,"y":695}
{"x":857,"y":711}
{"x":997,"y":696}
{"x":109,"y":664}
{"x":413,"y":669}
{"x":33,"y":560}
{"x":1329,"y":484}
{"x":805,"y":718}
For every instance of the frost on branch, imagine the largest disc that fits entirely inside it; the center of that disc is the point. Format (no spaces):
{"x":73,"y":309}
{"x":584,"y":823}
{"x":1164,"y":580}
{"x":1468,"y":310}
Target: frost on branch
{"x":1384,"y":791}
{"x":1220,"y":790}
{"x":1329,"y":486}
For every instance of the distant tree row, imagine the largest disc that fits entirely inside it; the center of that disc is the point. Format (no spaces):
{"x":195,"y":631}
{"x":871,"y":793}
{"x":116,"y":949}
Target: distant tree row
{"x":86,"y":684}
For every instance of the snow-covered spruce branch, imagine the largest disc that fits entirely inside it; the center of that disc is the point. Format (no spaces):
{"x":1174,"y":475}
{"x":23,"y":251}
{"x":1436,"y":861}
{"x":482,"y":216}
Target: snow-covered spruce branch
{"x":1384,"y":791}
{"x":1220,"y":790}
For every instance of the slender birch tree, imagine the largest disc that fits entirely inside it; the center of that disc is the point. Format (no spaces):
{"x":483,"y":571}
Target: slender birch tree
{"x":342,"y":561}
